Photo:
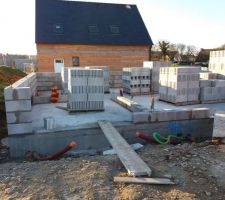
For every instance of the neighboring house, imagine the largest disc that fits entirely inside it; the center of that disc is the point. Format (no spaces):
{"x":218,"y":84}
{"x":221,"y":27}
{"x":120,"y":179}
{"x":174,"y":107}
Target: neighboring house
{"x":203,"y":57}
{"x":22,"y":64}
{"x":156,"y":55}
{"x":2,"y":59}
{"x":187,"y":59}
{"x":217,"y":63}
{"x":70,"y":33}
{"x":10,"y":58}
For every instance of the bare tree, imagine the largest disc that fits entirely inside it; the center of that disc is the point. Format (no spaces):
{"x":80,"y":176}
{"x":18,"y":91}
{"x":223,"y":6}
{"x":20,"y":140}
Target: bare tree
{"x":164,"y":47}
{"x":191,"y":50}
{"x":181,"y":48}
{"x":222,"y":46}
{"x":172,"y":47}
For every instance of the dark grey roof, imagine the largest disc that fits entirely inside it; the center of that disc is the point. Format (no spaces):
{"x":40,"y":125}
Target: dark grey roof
{"x":72,"y":22}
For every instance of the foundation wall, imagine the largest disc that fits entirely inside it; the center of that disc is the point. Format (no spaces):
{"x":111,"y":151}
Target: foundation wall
{"x":20,"y":96}
{"x":18,"y":105}
{"x":90,"y":137}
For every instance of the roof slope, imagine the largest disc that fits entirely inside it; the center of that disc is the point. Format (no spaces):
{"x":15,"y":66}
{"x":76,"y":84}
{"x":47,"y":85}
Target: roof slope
{"x":72,"y":22}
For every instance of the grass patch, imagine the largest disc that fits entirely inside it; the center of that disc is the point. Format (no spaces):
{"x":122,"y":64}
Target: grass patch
{"x":8,"y":76}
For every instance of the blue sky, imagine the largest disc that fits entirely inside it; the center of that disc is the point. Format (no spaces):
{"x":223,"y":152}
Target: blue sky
{"x":195,"y":22}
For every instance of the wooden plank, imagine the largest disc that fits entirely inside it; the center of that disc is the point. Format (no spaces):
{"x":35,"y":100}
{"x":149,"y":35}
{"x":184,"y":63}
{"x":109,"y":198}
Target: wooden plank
{"x":130,"y":159}
{"x":156,"y":181}
{"x":130,"y":105}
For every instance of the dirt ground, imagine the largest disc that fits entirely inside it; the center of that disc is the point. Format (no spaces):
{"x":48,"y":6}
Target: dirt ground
{"x":3,"y":124}
{"x":197,"y":169}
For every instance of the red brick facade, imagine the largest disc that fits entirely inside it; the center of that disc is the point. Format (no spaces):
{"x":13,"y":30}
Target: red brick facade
{"x":114,"y":56}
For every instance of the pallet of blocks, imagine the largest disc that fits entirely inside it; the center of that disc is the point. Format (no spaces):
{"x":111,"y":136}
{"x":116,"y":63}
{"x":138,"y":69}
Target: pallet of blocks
{"x":115,"y":79}
{"x":179,"y":85}
{"x":154,"y":66}
{"x":212,"y":91}
{"x":105,"y":76}
{"x":136,"y":80}
{"x":86,"y":89}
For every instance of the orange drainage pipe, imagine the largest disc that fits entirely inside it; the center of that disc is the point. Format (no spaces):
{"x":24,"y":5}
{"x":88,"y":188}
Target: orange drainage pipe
{"x":37,"y":157}
{"x":145,"y":137}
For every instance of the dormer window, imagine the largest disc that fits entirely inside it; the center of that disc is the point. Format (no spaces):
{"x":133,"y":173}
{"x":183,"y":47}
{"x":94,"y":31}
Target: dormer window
{"x":115,"y":29}
{"x":58,"y":29}
{"x":93,"y":29}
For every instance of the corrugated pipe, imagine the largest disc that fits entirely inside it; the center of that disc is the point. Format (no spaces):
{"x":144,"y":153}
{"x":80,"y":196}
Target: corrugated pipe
{"x":145,"y":137}
{"x":37,"y":157}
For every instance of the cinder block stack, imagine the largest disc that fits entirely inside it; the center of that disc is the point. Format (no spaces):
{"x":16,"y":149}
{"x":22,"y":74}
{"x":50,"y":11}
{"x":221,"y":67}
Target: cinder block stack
{"x":208,"y":75}
{"x":115,"y":79}
{"x":64,"y":77}
{"x":179,"y":84}
{"x":45,"y":81}
{"x":136,"y":80}
{"x":86,"y":89}
{"x":163,"y":82}
{"x":18,"y":105}
{"x":155,"y":69}
{"x":213,"y":92}
{"x":105,"y":75}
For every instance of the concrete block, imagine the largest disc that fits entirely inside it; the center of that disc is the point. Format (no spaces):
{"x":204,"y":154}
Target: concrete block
{"x":205,"y":83}
{"x":49,"y":123}
{"x":172,"y":115}
{"x":140,"y":117}
{"x":218,"y":83}
{"x":162,"y":116}
{"x":98,"y":81}
{"x":20,"y":93}
{"x":19,"y":117}
{"x":40,"y":99}
{"x":47,"y":83}
{"x":95,"y":105}
{"x":47,"y":74}
{"x":20,"y":105}
{"x":95,"y":97}
{"x":77,"y":97}
{"x":200,"y":113}
{"x":219,"y":125}
{"x":19,"y":129}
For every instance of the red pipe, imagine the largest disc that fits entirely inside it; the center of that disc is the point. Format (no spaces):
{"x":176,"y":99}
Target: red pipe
{"x":37,"y":157}
{"x":145,"y":137}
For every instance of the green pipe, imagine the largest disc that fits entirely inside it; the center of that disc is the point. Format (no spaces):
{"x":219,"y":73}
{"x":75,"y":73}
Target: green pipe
{"x":162,"y":140}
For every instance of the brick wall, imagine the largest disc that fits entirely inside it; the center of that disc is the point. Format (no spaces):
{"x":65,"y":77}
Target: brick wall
{"x":116,"y":57}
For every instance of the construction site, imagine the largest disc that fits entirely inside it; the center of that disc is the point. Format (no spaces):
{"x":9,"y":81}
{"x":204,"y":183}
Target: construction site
{"x":78,"y":114}
{"x":100,"y":120}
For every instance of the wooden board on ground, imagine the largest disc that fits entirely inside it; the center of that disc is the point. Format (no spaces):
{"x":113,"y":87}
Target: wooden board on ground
{"x":130,"y":159}
{"x":137,"y":93}
{"x":127,"y":103}
{"x":213,"y":101}
{"x":156,"y":181}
